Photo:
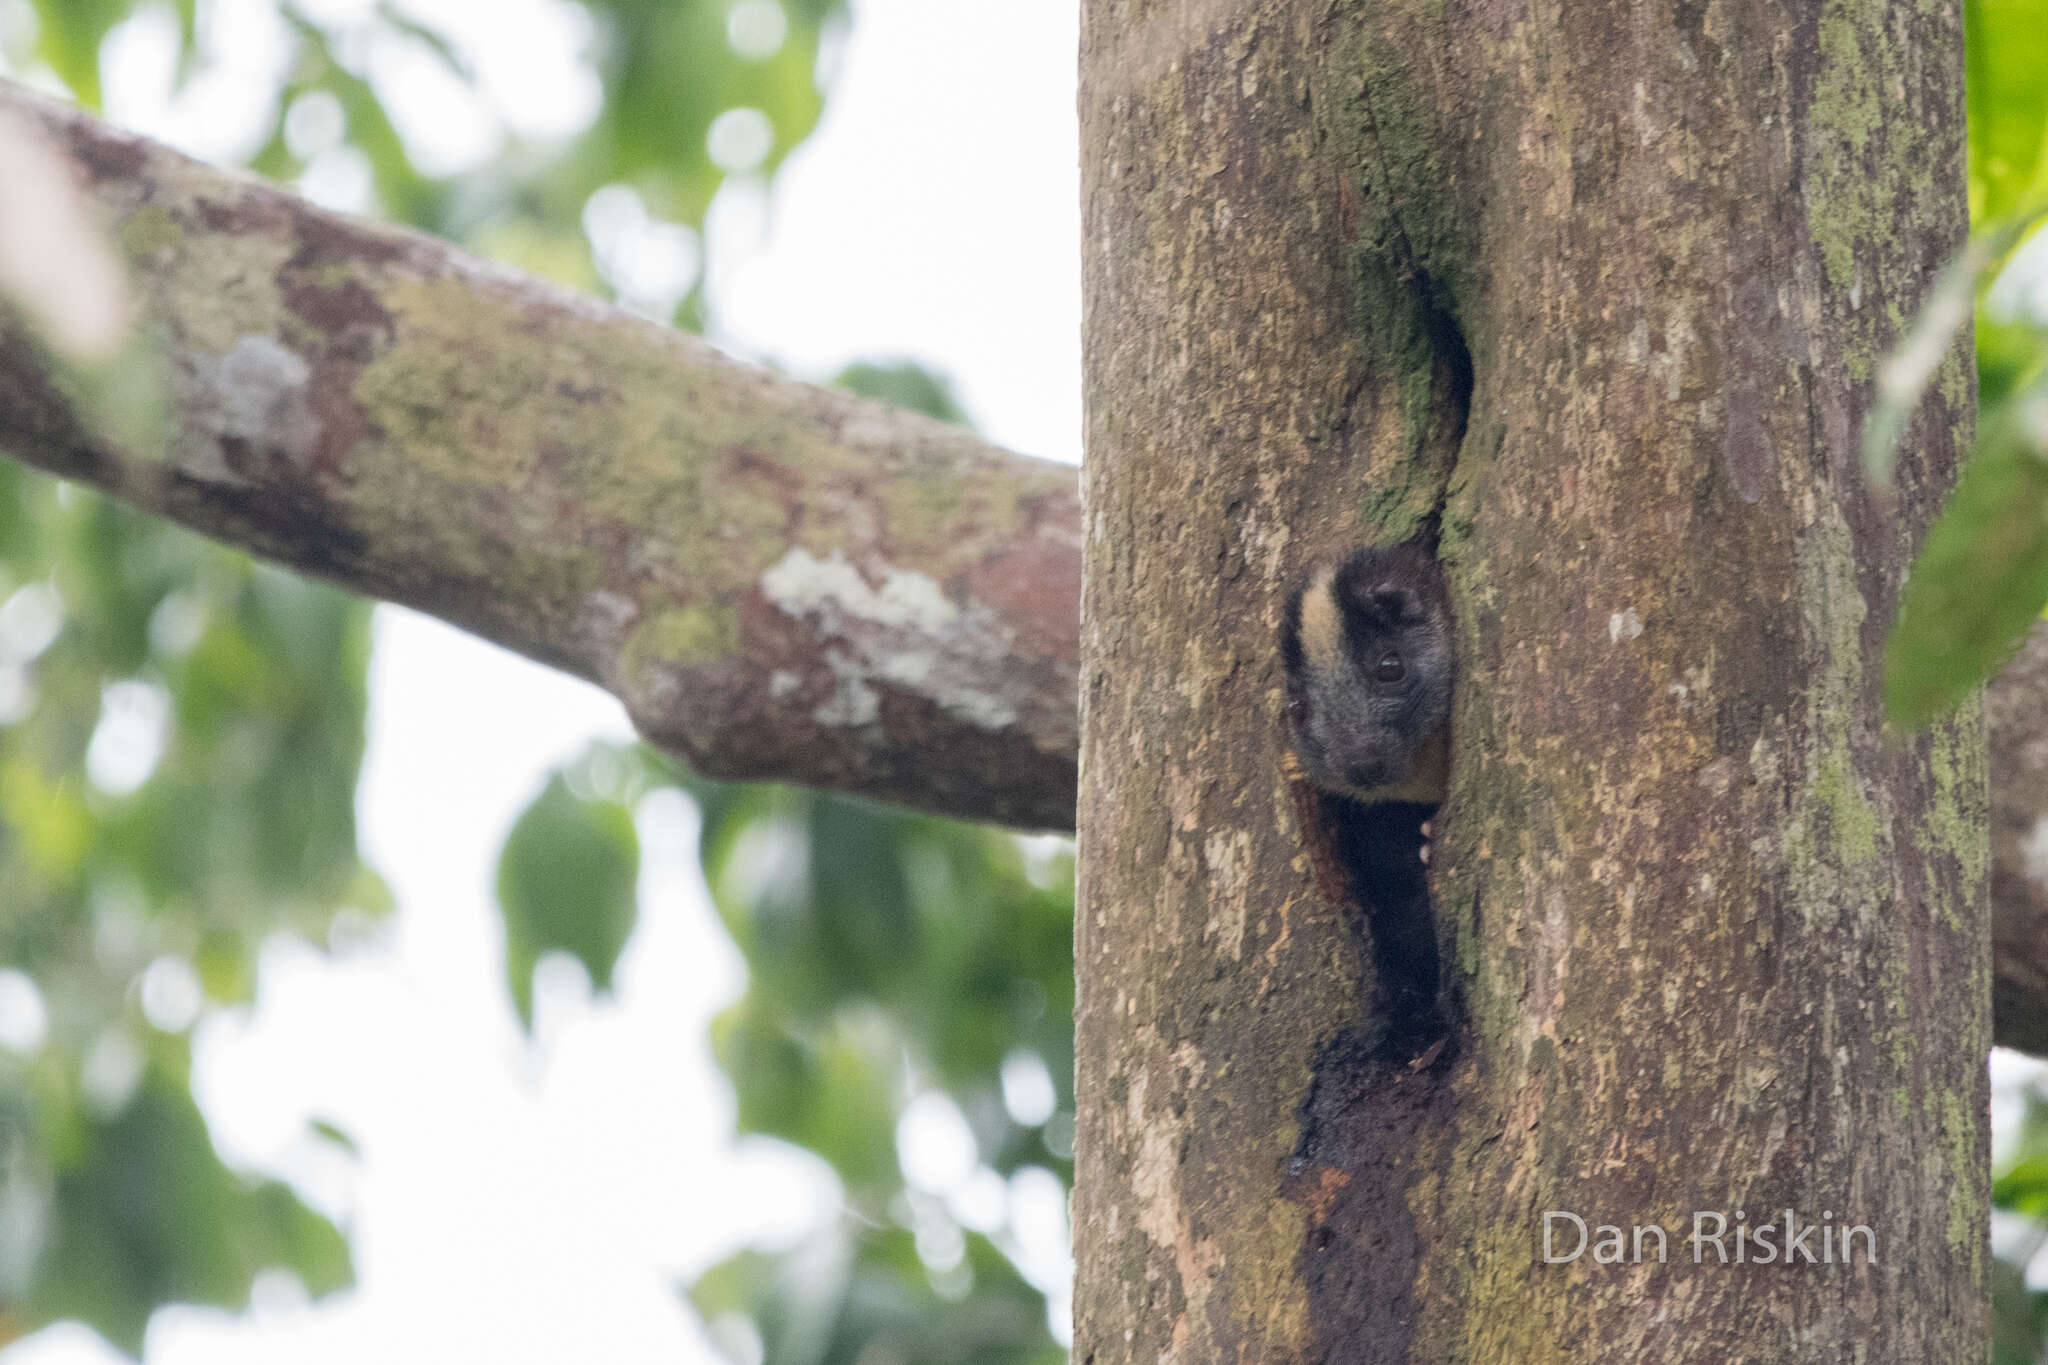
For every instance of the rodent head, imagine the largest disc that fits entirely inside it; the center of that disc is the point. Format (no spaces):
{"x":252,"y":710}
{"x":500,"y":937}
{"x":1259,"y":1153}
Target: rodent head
{"x":1367,"y":647}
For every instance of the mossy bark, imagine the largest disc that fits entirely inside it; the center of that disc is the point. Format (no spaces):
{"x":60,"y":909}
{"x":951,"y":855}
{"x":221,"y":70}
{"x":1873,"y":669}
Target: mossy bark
{"x":1593,"y":293}
{"x":779,"y":581}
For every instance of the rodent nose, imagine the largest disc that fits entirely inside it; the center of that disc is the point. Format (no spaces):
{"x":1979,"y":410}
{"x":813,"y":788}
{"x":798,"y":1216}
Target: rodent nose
{"x":1367,"y":775}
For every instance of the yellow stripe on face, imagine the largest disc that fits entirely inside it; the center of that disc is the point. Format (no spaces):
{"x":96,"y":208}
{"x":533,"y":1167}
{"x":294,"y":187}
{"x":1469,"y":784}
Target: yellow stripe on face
{"x":1322,"y":629}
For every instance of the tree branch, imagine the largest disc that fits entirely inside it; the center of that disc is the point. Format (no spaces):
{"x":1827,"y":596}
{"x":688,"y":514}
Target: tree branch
{"x":780,"y":581}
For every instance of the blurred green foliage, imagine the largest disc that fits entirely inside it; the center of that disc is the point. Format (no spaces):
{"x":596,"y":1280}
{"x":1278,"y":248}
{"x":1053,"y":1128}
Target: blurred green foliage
{"x":1981,"y":579}
{"x":667,"y":70}
{"x":179,"y":736}
{"x":892,"y":959}
{"x":139,"y":1215}
{"x":904,"y":384}
{"x":180,"y":729}
{"x":566,"y":884}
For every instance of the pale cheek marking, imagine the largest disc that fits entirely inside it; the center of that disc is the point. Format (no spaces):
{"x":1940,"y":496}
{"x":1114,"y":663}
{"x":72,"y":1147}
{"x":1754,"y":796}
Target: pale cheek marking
{"x":1322,"y":630}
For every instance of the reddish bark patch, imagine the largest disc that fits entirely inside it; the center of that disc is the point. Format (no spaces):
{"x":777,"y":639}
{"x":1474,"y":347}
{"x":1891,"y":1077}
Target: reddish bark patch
{"x":324,"y":236}
{"x":245,"y":214}
{"x":1034,"y":581}
{"x":106,"y":153}
{"x":349,"y":327}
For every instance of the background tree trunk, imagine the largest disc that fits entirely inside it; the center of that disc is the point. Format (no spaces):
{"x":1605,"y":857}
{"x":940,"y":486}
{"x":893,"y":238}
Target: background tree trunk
{"x":778,"y":580}
{"x":1604,"y":287}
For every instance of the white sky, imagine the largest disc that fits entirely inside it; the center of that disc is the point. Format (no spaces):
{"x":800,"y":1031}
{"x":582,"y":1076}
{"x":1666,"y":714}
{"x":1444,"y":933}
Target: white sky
{"x":515,"y":1203}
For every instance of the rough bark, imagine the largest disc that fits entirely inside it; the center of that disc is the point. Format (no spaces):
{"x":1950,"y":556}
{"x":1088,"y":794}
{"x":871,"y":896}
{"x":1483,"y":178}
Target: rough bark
{"x":777,"y":580}
{"x":1716,"y":942}
{"x":436,"y":571}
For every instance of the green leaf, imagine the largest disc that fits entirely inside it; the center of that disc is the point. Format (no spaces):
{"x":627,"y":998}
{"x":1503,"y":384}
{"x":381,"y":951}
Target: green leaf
{"x":68,"y":38}
{"x":834,"y":1093}
{"x":2016,"y":1317}
{"x":142,"y":1213}
{"x":905,"y":384}
{"x":337,"y":1135}
{"x":2007,"y":352}
{"x":566,"y":883}
{"x":1982,"y":576}
{"x":2007,"y":87}
{"x":890,"y":954}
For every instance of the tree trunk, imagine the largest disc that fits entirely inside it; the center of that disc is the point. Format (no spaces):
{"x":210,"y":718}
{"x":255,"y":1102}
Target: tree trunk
{"x":1594,"y":294}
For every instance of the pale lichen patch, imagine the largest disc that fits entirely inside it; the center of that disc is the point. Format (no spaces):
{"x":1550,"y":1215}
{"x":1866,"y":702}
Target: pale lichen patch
{"x":1227,"y":854}
{"x":852,"y":702}
{"x":905,"y":632}
{"x":1154,"y":1178}
{"x":603,"y":620}
{"x":251,"y":401}
{"x":800,"y":583}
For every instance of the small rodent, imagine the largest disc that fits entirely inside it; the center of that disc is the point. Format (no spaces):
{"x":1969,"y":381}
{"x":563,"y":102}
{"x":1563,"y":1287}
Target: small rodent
{"x":1367,"y":647}
{"x":1366,"y":643}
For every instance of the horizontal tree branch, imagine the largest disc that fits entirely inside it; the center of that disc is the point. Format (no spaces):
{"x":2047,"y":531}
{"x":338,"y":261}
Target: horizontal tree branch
{"x":780,"y":581}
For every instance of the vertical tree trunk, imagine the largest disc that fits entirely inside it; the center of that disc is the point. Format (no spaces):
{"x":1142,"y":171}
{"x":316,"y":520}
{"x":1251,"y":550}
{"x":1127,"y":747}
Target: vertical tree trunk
{"x":1595,"y":293}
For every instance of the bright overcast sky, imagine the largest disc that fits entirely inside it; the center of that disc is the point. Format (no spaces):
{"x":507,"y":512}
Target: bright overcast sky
{"x":519,"y":1203}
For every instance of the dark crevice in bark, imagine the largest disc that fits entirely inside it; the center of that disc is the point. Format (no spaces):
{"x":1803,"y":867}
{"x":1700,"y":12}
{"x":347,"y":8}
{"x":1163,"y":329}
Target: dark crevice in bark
{"x":1450,"y":388}
{"x":1369,"y":865}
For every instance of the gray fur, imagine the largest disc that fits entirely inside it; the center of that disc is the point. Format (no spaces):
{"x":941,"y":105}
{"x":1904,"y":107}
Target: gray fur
{"x":1356,"y":734}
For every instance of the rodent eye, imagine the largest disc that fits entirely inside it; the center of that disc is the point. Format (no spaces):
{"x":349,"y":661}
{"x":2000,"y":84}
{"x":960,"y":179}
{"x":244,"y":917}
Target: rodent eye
{"x":1297,"y":710}
{"x":1390,"y":668}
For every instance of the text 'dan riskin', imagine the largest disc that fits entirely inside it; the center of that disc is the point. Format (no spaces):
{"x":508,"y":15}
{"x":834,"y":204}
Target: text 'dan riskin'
{"x":1715,"y":1238}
